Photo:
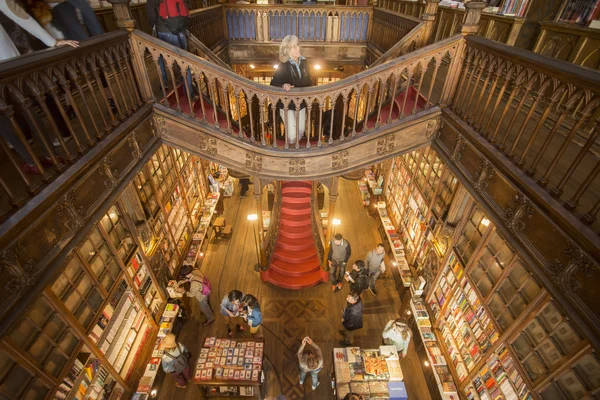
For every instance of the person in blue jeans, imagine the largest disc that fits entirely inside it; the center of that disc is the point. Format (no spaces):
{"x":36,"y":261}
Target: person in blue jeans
{"x":171,"y":30}
{"x":66,"y":20}
{"x":310,"y":360}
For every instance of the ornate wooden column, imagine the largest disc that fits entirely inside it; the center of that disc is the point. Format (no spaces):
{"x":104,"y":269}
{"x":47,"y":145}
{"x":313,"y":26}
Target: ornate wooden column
{"x":259,"y":212}
{"x":123,"y":14}
{"x":473,"y":10}
{"x":333,"y":194}
{"x":428,"y":17}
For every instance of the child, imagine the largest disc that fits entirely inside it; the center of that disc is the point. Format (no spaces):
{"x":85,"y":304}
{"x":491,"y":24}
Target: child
{"x":230,"y":308}
{"x":253,"y":315}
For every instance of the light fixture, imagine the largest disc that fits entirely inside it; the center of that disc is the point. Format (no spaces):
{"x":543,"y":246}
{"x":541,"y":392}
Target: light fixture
{"x":201,"y":254}
{"x":408,"y":312}
{"x":395,"y":264}
{"x":153,"y":393}
{"x":485,"y":221}
{"x":335,"y":223}
{"x":257,"y":266}
{"x":275,"y":66}
{"x":252,"y":66}
{"x":317,"y":66}
{"x":426,"y":363}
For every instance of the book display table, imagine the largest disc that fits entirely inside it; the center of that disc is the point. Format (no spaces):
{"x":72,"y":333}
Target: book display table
{"x":230,"y":367}
{"x":375,"y":373}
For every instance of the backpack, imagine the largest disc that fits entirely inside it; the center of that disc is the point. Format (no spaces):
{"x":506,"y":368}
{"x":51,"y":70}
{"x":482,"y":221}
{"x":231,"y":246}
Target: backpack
{"x":181,"y":361}
{"x":175,"y":15}
{"x":206,"y":286}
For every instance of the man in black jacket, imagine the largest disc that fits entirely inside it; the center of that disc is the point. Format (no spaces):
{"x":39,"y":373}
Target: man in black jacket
{"x":358,"y":277}
{"x":351,"y":318}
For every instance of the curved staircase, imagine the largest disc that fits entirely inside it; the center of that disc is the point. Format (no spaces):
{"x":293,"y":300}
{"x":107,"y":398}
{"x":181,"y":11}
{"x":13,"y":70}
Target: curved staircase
{"x":295,"y":262}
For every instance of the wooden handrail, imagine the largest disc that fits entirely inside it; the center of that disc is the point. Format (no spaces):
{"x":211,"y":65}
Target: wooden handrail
{"x":542,"y":113}
{"x":248,"y":110}
{"x":569,"y":42}
{"x":408,"y":43}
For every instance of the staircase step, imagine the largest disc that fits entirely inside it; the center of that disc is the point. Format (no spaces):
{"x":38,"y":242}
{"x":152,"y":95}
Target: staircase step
{"x":305,"y":204}
{"x":295,"y":198}
{"x":305,"y":184}
{"x":285,"y":268}
{"x":293,"y":232}
{"x":293,"y":245}
{"x":298,"y":190}
{"x":301,"y":212}
{"x":293,"y":221}
{"x":293,"y":282}
{"x":298,"y":257}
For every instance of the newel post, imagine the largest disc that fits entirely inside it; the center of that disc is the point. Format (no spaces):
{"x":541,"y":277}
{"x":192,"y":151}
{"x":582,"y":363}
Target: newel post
{"x":473,"y":10}
{"x":428,"y":18}
{"x":123,"y":14}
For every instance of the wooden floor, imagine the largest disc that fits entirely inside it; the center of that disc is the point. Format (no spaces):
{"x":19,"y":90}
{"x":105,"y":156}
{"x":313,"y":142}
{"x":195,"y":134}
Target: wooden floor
{"x":291,"y":315}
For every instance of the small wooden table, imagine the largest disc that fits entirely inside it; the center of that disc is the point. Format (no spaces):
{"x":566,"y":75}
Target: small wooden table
{"x":219,"y":224}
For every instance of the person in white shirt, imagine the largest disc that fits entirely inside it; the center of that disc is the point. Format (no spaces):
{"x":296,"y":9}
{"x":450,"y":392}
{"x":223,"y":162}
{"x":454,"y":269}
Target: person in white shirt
{"x":397,"y":333}
{"x":15,"y":12}
{"x":310,"y":361}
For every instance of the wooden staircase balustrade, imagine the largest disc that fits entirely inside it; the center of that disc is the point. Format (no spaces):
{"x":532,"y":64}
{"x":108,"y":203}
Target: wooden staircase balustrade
{"x":540,"y":113}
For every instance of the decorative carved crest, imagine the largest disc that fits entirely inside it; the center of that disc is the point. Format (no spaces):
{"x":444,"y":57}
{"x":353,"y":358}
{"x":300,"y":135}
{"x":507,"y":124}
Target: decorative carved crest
{"x":160,"y":126}
{"x":480,"y":181}
{"x":297,"y":166}
{"x":112,"y":175}
{"x":253,"y":161}
{"x":208,"y":144}
{"x":432,"y":131}
{"x":133,"y":143}
{"x":456,"y":153}
{"x":386,"y":145}
{"x":515,"y":218}
{"x":74,"y":214}
{"x":339,"y":159}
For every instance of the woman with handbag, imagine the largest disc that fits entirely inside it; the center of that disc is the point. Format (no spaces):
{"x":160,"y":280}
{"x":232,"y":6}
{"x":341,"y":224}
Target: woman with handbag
{"x":200,"y":289}
{"x":176,"y":360}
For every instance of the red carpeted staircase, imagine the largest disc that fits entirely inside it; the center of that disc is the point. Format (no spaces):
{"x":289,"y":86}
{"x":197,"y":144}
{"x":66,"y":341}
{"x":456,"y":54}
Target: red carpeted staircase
{"x":295,"y":263}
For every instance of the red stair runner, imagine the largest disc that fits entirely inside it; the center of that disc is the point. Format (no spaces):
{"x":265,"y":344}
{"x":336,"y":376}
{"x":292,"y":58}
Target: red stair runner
{"x":295,"y":263}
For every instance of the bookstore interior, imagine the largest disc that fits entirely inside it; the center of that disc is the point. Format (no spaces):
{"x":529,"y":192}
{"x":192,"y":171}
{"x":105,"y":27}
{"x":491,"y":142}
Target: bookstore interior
{"x":482,"y":324}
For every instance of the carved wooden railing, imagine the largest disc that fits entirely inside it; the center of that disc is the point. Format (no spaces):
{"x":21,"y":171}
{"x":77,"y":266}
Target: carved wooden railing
{"x":248,"y":111}
{"x":390,"y":28}
{"x":319,"y":23}
{"x":198,"y":48}
{"x":408,"y":42}
{"x":58,"y":104}
{"x":407,"y":7}
{"x":208,"y":26}
{"x":270,"y":238}
{"x":106,"y":16}
{"x":317,"y":225}
{"x":540,"y":113}
{"x":569,"y":42}
{"x":504,"y":29}
{"x":496,"y":27}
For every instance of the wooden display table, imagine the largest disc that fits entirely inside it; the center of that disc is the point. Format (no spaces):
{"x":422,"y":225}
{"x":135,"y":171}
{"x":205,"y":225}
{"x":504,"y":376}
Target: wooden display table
{"x":230,"y":367}
{"x":372,"y":373}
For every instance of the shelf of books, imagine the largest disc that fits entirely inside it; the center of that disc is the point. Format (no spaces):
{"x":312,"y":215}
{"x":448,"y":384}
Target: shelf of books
{"x":516,"y":8}
{"x":166,"y":326}
{"x":86,"y":380}
{"x":437,"y":361}
{"x":119,"y":332}
{"x":365,"y":196}
{"x":581,"y":12}
{"x":396,"y":245}
{"x":498,"y":377}
{"x":465,"y":325}
{"x":138,"y":271}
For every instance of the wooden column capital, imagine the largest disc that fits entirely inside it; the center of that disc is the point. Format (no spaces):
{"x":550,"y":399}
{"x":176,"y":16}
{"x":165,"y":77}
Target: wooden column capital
{"x":473,"y":10}
{"x":123,"y":14}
